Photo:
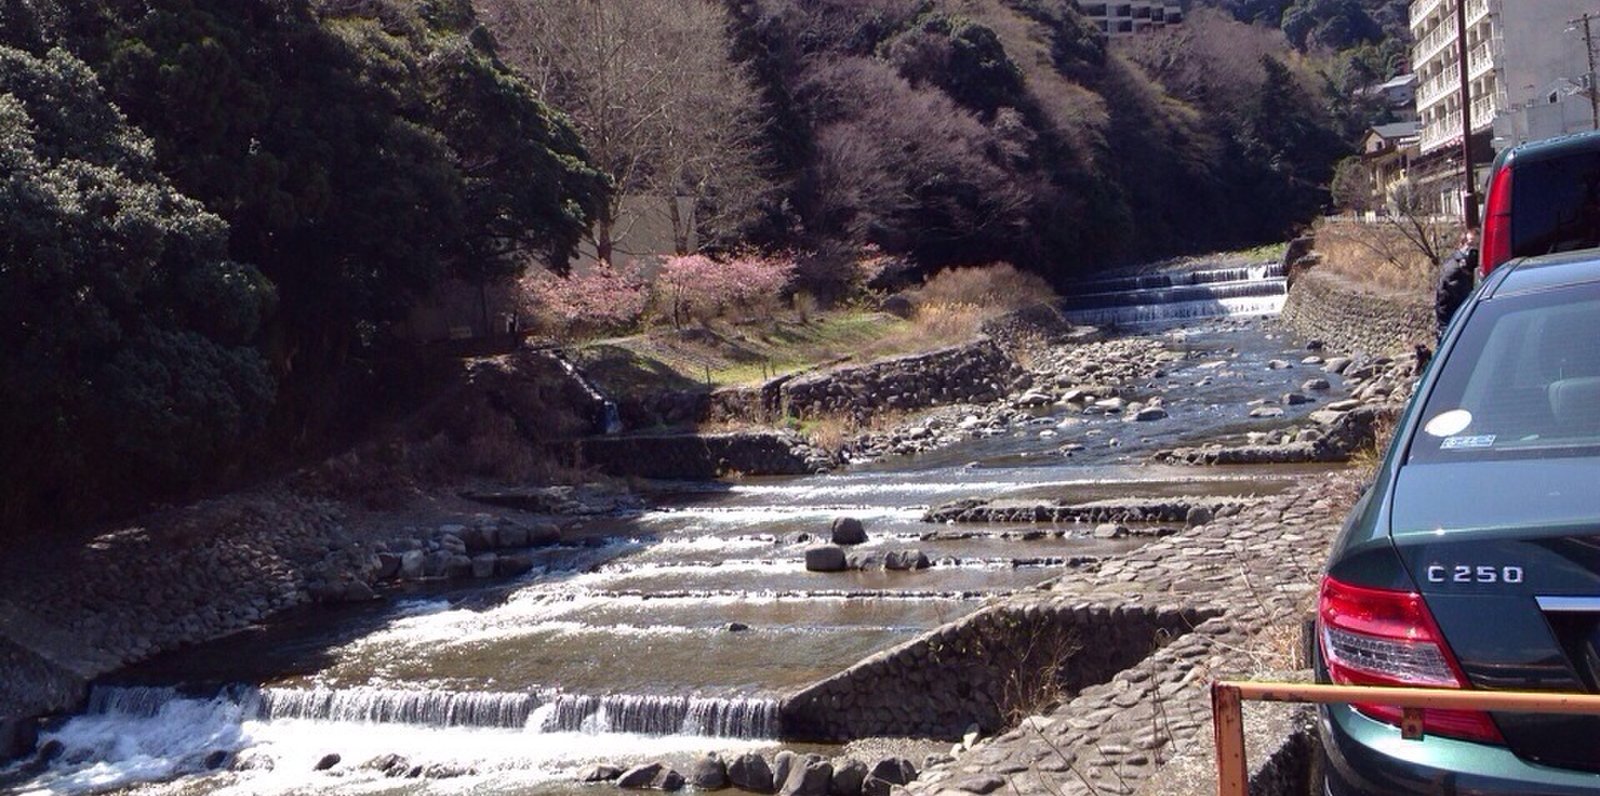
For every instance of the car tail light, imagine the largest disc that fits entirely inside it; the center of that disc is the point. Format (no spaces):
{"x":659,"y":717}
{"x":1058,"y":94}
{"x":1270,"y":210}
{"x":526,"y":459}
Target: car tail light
{"x":1496,"y":243}
{"x":1386,"y":637}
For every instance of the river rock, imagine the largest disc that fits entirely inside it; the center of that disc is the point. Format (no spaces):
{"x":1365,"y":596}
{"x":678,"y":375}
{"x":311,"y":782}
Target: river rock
{"x":640,"y":777}
{"x":254,"y":761}
{"x":1278,"y":364}
{"x":810,"y":776}
{"x":216,"y":760}
{"x":1297,"y":399}
{"x":709,"y":773}
{"x":782,"y":763}
{"x":826,"y":559}
{"x":1345,"y":405}
{"x":483,"y":565}
{"x":1336,"y":365}
{"x":452,"y":543}
{"x":848,"y":776}
{"x":1266,"y":411}
{"x":1150,"y":413}
{"x":904,"y":560}
{"x":328,"y":761}
{"x":599,"y":773}
{"x":1105,"y":530}
{"x":445,"y":771}
{"x":411,"y":564}
{"x":750,"y":772}
{"x":1198,"y":515}
{"x":670,"y":781}
{"x":510,"y":565}
{"x":544,"y":535}
{"x":511,"y":536}
{"x":895,"y":770}
{"x":390,"y":765}
{"x":849,"y":531}
{"x":388,"y":566}
{"x":1316,"y":385}
{"x":457,"y":567}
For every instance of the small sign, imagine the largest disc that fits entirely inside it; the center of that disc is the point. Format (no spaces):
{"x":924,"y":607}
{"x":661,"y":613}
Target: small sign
{"x":1467,"y":443}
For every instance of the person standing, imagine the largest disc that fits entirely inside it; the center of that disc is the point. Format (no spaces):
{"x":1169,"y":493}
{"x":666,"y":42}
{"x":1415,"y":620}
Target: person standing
{"x":1456,"y":279}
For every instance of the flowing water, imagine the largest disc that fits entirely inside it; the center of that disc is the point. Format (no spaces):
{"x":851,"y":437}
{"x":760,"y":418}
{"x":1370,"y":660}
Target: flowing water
{"x":678,"y":635}
{"x":1145,"y":299}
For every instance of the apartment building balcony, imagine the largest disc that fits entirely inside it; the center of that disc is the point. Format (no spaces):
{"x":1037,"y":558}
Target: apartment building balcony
{"x":1447,"y":129}
{"x":1429,"y":45}
{"x":1439,"y":86}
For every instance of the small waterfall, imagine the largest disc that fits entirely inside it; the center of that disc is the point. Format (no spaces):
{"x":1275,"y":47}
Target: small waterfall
{"x":657,"y":715}
{"x":1178,"y":296}
{"x":609,"y":420}
{"x":385,"y":706}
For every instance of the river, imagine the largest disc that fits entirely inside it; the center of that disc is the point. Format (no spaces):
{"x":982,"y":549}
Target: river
{"x":675,"y":634}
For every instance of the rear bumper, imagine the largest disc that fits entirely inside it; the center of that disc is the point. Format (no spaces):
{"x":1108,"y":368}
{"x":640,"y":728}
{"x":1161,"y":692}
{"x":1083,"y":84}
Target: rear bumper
{"x":1369,"y":758}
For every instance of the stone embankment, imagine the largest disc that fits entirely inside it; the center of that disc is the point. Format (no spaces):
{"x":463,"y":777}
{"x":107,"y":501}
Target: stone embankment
{"x":72,"y":613}
{"x":1353,"y":317}
{"x":1118,"y":510}
{"x":1078,"y":375}
{"x":978,"y":372}
{"x":982,"y":671}
{"x":1253,"y":574}
{"x":697,"y":456}
{"x":787,"y":774}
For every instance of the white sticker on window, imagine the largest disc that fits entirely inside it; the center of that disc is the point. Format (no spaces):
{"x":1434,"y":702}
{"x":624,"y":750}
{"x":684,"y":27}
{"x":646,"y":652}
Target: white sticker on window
{"x":1463,"y":443}
{"x":1449,"y":424}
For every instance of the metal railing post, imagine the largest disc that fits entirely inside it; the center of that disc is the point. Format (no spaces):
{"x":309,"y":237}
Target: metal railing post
{"x":1233,"y":777}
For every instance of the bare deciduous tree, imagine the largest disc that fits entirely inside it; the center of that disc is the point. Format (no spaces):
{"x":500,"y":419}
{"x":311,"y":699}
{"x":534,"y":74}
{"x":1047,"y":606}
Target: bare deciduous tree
{"x":660,"y":103}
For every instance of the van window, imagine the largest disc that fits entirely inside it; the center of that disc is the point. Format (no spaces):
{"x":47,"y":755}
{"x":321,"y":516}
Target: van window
{"x":1556,"y":205}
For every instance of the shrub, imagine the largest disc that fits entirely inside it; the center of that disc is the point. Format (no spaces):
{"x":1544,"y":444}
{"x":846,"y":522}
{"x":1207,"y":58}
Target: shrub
{"x":700,"y":287}
{"x":601,"y":299}
{"x":998,"y":288}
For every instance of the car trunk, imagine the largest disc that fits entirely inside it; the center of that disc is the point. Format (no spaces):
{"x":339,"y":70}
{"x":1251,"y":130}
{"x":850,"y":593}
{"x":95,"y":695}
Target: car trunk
{"x":1507,"y":556}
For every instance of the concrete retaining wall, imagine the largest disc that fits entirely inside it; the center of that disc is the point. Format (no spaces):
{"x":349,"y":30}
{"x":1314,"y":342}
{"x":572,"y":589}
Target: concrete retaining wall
{"x":982,"y":670}
{"x":1350,"y":317}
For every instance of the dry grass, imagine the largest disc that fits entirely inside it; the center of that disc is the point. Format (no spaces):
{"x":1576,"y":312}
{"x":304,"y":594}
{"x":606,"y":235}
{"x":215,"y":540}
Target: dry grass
{"x":1394,"y":255}
{"x":996,"y":289}
{"x":832,"y":431}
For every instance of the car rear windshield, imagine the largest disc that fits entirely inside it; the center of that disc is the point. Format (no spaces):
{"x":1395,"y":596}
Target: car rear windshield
{"x":1555,"y":205}
{"x":1523,"y":379}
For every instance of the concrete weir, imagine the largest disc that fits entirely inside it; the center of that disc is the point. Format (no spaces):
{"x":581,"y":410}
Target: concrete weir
{"x":986,"y":670}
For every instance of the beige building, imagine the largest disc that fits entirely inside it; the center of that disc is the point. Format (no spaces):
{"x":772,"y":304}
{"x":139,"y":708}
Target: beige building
{"x":1128,"y":17}
{"x":1523,"y":55}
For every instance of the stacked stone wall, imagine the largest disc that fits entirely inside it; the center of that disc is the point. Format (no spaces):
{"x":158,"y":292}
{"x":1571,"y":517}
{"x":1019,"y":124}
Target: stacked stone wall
{"x":1350,"y":317}
{"x":978,"y":372}
{"x":985,"y":670}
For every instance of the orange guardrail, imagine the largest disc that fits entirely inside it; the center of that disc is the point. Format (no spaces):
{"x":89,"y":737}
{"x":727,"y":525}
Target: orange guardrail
{"x":1228,"y":698}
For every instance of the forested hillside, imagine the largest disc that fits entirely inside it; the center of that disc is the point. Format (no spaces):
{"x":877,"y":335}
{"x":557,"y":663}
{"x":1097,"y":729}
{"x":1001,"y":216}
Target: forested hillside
{"x":214,"y":212}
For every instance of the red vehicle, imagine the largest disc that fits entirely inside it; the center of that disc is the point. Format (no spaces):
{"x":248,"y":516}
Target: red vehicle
{"x":1544,"y":197}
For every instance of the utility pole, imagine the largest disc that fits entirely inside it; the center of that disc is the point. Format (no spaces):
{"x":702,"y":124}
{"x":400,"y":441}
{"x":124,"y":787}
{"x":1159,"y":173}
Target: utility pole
{"x":1469,"y":198}
{"x":1588,"y":49}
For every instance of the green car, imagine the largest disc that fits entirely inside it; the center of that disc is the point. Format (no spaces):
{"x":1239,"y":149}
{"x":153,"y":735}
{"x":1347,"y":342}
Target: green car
{"x":1474,"y":560}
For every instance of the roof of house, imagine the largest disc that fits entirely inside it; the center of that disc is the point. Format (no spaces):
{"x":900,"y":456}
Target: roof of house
{"x":1399,"y":81}
{"x":1397,"y":130}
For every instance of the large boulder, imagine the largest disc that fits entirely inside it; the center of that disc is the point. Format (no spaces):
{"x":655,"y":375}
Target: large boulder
{"x":483,"y":565}
{"x":848,"y":531}
{"x":848,"y":776}
{"x":709,"y":773}
{"x":905,"y":560}
{"x":810,"y":776}
{"x":640,"y":777}
{"x":599,"y":773}
{"x":750,"y":772}
{"x":895,"y":770}
{"x":826,"y":559}
{"x":511,"y":536}
{"x":782,"y":763}
{"x":412,"y":563}
{"x":328,"y":761}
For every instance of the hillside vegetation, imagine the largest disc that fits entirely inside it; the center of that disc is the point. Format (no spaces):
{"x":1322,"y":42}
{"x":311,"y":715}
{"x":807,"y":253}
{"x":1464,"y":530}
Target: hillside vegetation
{"x":216,"y":215}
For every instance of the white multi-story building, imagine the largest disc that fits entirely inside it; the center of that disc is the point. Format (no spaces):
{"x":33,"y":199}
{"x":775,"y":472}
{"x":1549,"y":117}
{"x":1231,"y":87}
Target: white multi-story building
{"x":1522,"y":55}
{"x":1517,"y":50}
{"x":1127,"y":17}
